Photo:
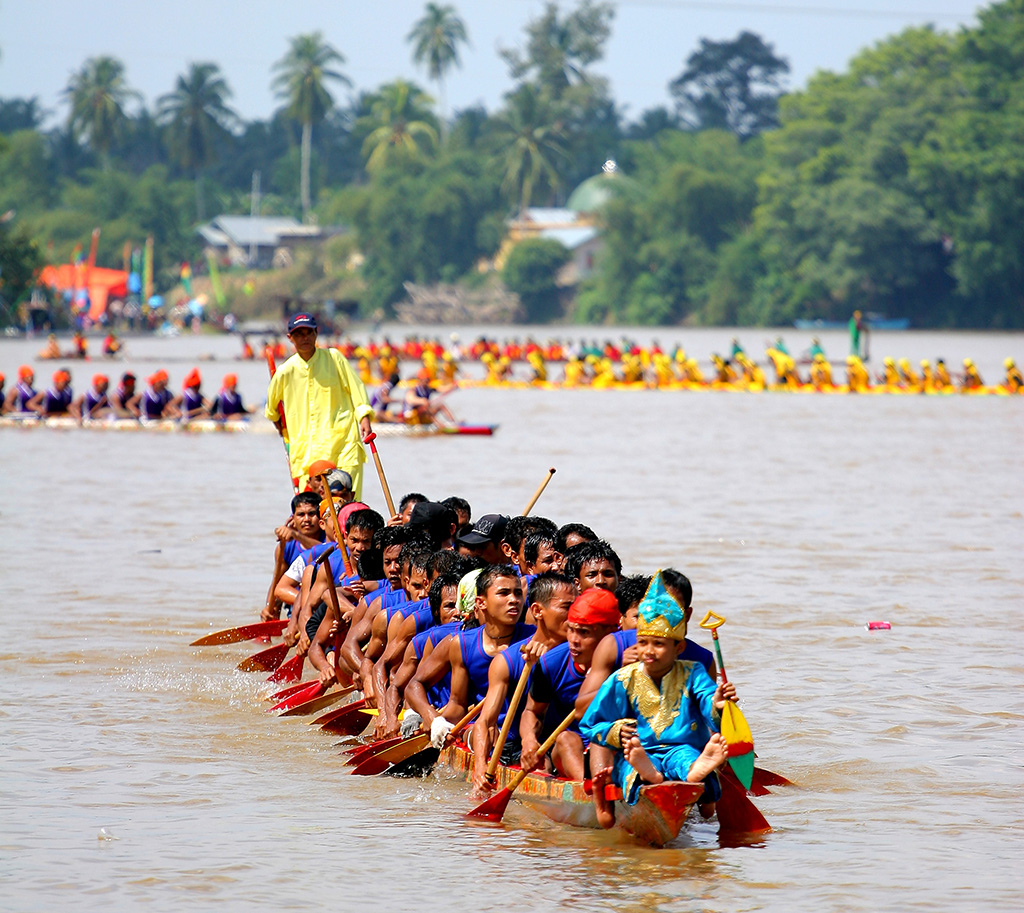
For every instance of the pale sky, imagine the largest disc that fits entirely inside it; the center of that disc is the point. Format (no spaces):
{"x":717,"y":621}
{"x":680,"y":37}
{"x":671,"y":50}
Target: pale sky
{"x":43,"y":41}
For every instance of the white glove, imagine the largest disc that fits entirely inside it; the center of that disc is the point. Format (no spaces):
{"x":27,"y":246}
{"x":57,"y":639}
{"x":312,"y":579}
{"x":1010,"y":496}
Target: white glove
{"x":439,"y":730}
{"x":410,"y":723}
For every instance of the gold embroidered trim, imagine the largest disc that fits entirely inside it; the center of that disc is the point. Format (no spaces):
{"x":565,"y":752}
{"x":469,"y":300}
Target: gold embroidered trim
{"x":659,"y":707}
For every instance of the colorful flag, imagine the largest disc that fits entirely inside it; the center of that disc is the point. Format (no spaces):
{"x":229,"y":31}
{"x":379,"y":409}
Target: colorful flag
{"x":186,"y":277}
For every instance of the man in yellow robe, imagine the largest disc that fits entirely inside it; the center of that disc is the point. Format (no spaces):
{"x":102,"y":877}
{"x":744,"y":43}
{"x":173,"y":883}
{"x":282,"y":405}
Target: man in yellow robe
{"x":326,"y":410}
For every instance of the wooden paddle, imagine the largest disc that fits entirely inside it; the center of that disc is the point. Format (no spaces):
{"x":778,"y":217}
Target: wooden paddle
{"x":362,"y":752}
{"x":316,"y":704}
{"x":337,"y":531}
{"x":244,"y":632}
{"x":315,"y":689}
{"x":283,"y":428}
{"x":493,"y":809}
{"x":409,"y":747}
{"x":285,"y":692}
{"x":369,"y":441}
{"x":538,"y":492}
{"x":351,"y":722}
{"x":266,"y":660}
{"x":291,"y":671}
{"x":513,"y":705}
{"x":735,"y":730}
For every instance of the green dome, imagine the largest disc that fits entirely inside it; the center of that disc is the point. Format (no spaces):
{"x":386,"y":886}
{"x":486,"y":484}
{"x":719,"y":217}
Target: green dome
{"x":595,"y":191}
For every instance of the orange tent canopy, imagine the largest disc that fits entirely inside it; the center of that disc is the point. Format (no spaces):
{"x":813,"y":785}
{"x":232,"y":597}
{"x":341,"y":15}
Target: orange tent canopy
{"x":100,"y":282}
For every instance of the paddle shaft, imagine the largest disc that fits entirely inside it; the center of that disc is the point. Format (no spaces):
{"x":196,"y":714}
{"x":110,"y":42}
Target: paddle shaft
{"x":538,"y":492}
{"x":545,"y":747}
{"x":718,"y":655}
{"x":513,"y":705}
{"x":369,"y":441}
{"x":337,"y":529}
{"x":282,"y":429}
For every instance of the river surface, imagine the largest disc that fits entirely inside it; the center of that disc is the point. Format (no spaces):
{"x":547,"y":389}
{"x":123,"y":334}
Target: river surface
{"x":139,"y":771}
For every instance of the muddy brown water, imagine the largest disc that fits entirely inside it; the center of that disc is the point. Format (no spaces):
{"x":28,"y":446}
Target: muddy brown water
{"x":140,"y":771}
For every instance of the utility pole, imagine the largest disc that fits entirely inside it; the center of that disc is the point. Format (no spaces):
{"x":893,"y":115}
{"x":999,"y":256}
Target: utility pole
{"x":254,"y":211}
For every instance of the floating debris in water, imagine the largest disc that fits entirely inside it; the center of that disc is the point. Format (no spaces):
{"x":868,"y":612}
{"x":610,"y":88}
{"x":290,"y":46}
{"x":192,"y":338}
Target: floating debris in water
{"x":105,"y":834}
{"x":878,"y":626}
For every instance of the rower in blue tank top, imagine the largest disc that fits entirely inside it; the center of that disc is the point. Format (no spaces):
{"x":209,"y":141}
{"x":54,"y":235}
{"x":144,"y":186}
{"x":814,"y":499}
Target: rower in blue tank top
{"x":440,"y":691}
{"x":477,"y":660}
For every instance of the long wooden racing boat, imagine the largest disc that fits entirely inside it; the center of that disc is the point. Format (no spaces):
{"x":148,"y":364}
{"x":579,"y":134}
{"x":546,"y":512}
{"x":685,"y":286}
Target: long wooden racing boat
{"x":655,"y":819}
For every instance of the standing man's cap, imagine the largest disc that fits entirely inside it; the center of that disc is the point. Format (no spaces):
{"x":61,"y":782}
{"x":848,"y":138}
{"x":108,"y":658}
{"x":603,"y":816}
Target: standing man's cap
{"x":298,"y":321}
{"x":489,"y":528}
{"x":339,"y":480}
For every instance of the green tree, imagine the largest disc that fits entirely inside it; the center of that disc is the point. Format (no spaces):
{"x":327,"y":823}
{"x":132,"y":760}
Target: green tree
{"x":531,"y":144}
{"x":731,"y":85}
{"x":20,"y":258}
{"x":197,"y":116}
{"x":399,"y":126}
{"x":531,"y":271}
{"x":98,"y":93}
{"x":303,"y":74}
{"x":435,"y":39}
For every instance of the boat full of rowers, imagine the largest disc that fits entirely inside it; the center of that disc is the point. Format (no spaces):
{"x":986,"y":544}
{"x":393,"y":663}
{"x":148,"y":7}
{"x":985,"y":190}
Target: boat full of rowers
{"x":436,"y":614}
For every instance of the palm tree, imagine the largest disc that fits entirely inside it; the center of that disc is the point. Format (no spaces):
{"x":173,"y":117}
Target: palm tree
{"x":197,"y":115}
{"x":436,"y":39}
{"x":98,"y":94}
{"x":302,"y":75}
{"x":532,"y":144}
{"x":398,"y":123}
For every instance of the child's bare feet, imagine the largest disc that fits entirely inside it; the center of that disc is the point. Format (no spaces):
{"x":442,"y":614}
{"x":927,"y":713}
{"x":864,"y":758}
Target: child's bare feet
{"x":638,"y":760}
{"x":714,"y":755}
{"x":605,"y":809}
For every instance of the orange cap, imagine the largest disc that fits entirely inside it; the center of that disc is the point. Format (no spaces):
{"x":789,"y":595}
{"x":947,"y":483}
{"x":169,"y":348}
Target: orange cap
{"x":98,"y":379}
{"x":60,"y":375}
{"x":162,"y":375}
{"x":25,"y":372}
{"x":320,"y":466}
{"x":192,"y":379}
{"x":230,"y":380}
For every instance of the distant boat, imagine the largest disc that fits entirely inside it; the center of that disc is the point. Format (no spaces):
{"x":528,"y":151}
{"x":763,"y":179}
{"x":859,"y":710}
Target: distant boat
{"x":873,"y":321}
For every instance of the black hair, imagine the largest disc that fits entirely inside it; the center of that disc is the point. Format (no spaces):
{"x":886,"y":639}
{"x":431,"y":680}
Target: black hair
{"x":415,"y":556}
{"x":580,"y":529}
{"x":491,"y":573}
{"x":444,"y":561}
{"x":586,"y":552}
{"x":532,"y":543}
{"x":439,"y":528}
{"x":306,"y":497}
{"x":544,"y":586}
{"x":414,"y":497}
{"x":631,"y":590}
{"x":519,"y":528}
{"x":679,"y":583}
{"x":457,"y":504}
{"x":366,"y":518}
{"x":370,"y":565}
{"x":390,"y":536}
{"x":436,"y":593}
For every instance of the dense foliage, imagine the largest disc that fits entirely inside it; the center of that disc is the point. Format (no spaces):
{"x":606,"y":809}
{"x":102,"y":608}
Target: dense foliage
{"x":896,"y":186}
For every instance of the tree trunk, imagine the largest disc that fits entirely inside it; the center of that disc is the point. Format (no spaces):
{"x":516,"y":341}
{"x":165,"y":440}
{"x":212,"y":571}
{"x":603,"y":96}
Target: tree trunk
{"x":307,"y":145}
{"x":200,"y":208}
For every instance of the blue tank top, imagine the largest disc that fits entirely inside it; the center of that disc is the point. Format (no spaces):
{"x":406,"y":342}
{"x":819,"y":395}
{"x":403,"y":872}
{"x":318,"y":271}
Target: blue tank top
{"x":55,"y":403}
{"x":153,"y":403}
{"x":441,"y":690}
{"x":423,"y":616}
{"x":92,"y":402}
{"x":513,"y":658}
{"x":695,"y":652}
{"x":477,"y":661}
{"x":25,"y":393}
{"x":229,"y":403}
{"x":191,"y":400}
{"x":556,"y":682}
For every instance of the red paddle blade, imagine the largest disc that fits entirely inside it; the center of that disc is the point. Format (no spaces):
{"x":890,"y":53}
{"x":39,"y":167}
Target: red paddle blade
{"x":767,"y":778}
{"x":362,"y":752}
{"x":290,"y":671}
{"x":492,"y":809}
{"x":352,"y":722}
{"x":318,"y":703}
{"x":380,"y":761}
{"x":285,"y":692}
{"x":300,"y":697}
{"x":736,"y":813}
{"x":266,"y":660}
{"x":245,"y":632}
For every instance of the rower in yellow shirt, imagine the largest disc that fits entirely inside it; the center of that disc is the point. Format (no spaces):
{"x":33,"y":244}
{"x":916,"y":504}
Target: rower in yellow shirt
{"x":540,"y":371}
{"x":927,"y":377}
{"x":971,"y":378}
{"x":821,"y":373}
{"x":1014,"y":381}
{"x":890,"y":376}
{"x":942,"y":379}
{"x":857,"y":377}
{"x":575,"y":376}
{"x":910,"y":380}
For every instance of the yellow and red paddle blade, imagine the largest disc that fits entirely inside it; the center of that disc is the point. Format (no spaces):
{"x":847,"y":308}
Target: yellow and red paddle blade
{"x":300,"y":697}
{"x":266,"y":660}
{"x":737,"y":736}
{"x":245,"y":632}
{"x":290,"y":671}
{"x":382,"y":760}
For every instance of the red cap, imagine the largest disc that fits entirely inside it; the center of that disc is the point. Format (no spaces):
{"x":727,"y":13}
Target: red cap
{"x":58,"y":376}
{"x":192,"y":379}
{"x":98,"y":379}
{"x":230,"y":380}
{"x":25,"y":372}
{"x":595,"y":607}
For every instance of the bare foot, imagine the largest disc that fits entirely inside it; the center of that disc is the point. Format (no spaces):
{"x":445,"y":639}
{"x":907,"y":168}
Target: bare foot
{"x":707,"y":809}
{"x":638,"y":760}
{"x":605,"y":809}
{"x":714,"y":755}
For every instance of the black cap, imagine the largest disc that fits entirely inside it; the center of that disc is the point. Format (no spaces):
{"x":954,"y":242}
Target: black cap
{"x":298,"y":321}
{"x":489,"y":528}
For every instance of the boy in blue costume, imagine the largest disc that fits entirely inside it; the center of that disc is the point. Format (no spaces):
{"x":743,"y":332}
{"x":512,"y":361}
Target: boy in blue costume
{"x":650,"y":711}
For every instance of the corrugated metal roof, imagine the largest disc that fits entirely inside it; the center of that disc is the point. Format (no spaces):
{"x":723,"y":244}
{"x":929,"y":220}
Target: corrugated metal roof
{"x":570,"y":238}
{"x":551,"y":216}
{"x":263,"y":231}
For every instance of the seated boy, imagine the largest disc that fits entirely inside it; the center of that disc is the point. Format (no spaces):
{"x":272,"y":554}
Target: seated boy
{"x":651,"y":712}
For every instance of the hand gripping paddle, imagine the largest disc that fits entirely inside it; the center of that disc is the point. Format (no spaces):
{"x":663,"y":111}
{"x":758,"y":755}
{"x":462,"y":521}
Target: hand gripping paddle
{"x":735,"y":730}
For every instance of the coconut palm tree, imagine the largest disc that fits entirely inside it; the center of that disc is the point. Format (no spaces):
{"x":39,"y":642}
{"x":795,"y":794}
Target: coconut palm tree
{"x":435,"y":39}
{"x":98,"y":93}
{"x":399,"y":124}
{"x":301,"y":81}
{"x":197,"y":115}
{"x":532,"y":144}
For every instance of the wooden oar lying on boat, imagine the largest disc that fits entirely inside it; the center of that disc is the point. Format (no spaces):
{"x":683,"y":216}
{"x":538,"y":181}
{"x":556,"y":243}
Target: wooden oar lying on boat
{"x":409,"y":747}
{"x":244,"y":632}
{"x":493,"y":809}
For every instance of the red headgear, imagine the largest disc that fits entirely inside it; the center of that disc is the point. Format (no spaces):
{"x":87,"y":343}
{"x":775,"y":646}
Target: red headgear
{"x":595,"y":607}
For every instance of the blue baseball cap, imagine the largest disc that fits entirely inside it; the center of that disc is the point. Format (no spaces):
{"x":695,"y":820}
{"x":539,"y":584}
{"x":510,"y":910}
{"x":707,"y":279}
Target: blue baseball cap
{"x":299,"y":321}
